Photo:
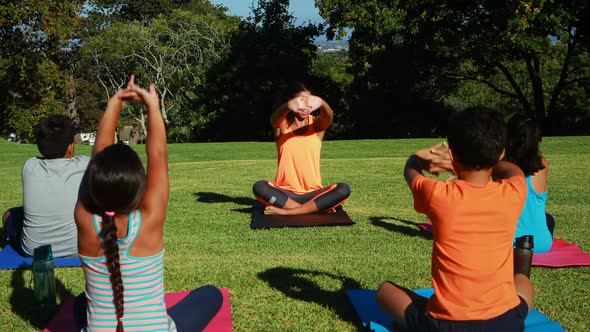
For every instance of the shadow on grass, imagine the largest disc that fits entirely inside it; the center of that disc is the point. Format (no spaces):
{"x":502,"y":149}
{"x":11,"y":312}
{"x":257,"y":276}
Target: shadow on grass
{"x":412,"y":229}
{"x":298,"y":284}
{"x":24,"y":304}
{"x":210,"y":197}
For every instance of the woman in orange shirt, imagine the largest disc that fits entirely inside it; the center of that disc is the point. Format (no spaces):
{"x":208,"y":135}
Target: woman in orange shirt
{"x":299,"y":127}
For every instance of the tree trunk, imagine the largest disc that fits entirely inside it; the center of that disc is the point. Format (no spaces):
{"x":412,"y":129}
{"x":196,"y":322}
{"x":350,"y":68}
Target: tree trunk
{"x":517,"y":90}
{"x":71,"y":95}
{"x":560,"y":84}
{"x":534,"y":70}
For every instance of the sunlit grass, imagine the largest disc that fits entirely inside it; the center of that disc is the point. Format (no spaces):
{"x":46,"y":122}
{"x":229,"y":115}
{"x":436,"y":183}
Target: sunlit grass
{"x":292,"y":279}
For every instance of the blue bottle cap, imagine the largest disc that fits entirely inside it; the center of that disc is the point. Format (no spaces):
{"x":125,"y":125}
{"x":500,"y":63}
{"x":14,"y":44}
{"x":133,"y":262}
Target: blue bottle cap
{"x":43,"y":253}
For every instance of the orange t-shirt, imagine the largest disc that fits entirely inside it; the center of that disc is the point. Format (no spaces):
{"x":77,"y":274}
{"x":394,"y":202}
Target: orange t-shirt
{"x":299,"y":160}
{"x":472,"y":257}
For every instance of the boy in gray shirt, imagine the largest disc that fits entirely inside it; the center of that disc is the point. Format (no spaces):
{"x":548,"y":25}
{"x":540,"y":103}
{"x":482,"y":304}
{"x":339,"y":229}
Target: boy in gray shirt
{"x":50,"y":191}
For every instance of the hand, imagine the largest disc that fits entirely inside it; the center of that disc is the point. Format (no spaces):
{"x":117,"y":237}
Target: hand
{"x":313,"y":103}
{"x":124,"y":95}
{"x":436,"y":159}
{"x":148,"y":97}
{"x":297,"y":105}
{"x":305,"y":104}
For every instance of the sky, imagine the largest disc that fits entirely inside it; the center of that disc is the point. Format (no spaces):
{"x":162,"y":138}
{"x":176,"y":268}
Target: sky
{"x":302,"y":10}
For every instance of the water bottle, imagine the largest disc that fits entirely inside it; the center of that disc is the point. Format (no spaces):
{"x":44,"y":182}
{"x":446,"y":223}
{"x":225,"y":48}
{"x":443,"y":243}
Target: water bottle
{"x":44,"y":277}
{"x":523,"y":254}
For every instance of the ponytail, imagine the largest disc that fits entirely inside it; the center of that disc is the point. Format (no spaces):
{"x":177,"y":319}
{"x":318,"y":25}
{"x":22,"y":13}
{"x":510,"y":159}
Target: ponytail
{"x":111,"y":251}
{"x":522,"y":148}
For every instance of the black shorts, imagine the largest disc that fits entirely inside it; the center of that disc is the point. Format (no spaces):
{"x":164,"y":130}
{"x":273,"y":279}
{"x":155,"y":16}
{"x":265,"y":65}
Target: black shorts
{"x":14,"y":227}
{"x":418,"y":319}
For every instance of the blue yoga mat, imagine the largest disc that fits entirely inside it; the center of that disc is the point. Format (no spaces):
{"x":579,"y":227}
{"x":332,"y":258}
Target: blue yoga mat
{"x":10,"y":259}
{"x":375,"y":319}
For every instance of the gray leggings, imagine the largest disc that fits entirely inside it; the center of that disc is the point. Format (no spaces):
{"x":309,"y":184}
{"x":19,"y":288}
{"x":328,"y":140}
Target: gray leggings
{"x":325,"y":198}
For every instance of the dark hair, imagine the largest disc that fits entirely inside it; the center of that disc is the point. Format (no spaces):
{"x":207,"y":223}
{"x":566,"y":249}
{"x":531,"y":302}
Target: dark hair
{"x":116,"y":182}
{"x":53,"y":135}
{"x":294,"y":88}
{"x":522,"y":147}
{"x":288,"y":91}
{"x":477,"y":136}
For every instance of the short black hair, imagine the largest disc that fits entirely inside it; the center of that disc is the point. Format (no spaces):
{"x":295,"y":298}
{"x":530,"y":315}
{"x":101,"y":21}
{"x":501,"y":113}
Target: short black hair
{"x":53,"y":135}
{"x":477,"y":136}
{"x":522,"y":148}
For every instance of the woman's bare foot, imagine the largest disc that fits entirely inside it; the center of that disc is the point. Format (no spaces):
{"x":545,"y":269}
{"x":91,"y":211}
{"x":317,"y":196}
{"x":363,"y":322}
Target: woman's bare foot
{"x":275,"y":210}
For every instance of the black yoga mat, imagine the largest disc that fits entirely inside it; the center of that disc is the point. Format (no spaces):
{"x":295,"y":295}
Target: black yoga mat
{"x":262,"y":221}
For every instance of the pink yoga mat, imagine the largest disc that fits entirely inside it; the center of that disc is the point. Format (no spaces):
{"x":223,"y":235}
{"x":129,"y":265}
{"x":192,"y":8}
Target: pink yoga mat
{"x":426,"y":226}
{"x":561,"y":254}
{"x":63,"y":321}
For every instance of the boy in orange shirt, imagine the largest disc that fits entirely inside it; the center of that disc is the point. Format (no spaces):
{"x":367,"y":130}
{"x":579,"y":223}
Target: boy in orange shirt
{"x":474,"y":221}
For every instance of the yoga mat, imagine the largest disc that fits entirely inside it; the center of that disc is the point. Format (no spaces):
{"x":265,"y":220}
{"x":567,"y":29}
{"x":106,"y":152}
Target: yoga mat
{"x":561,"y":254}
{"x":375,"y":319}
{"x":426,"y":226}
{"x":262,"y":221}
{"x":11,"y":259}
{"x":64,"y":320}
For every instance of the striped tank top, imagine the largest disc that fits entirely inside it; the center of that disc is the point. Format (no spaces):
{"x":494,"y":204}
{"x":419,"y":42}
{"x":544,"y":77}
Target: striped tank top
{"x":299,"y":160}
{"x":143,"y":282}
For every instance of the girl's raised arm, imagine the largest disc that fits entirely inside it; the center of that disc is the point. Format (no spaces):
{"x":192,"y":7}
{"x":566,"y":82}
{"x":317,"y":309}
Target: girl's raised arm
{"x":105,"y":135}
{"x":155,"y":198}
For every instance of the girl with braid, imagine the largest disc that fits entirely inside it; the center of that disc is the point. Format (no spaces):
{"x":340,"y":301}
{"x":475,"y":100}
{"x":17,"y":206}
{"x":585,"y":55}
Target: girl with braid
{"x":120,"y":217}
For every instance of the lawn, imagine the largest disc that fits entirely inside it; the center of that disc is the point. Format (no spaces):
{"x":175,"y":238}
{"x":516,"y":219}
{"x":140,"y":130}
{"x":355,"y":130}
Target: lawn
{"x":292,"y":279}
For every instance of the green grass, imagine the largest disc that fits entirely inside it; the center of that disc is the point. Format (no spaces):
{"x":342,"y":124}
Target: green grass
{"x":292,"y":279}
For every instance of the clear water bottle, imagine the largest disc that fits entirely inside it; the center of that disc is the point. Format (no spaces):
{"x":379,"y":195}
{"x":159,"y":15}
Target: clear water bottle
{"x":523,"y":254}
{"x":44,"y":277}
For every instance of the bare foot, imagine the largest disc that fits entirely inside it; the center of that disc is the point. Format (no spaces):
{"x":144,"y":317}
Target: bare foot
{"x":275,"y":210}
{"x":5,"y":217}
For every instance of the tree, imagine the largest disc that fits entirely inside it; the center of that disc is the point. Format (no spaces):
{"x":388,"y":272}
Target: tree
{"x":331,"y":80}
{"x":572,"y":104}
{"x":172,"y":52}
{"x":267,"y":50}
{"x":487,"y":34}
{"x":35,"y":43}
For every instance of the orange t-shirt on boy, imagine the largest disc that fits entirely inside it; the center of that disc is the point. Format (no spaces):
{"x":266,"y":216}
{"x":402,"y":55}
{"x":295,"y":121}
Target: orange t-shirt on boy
{"x":472,"y":257}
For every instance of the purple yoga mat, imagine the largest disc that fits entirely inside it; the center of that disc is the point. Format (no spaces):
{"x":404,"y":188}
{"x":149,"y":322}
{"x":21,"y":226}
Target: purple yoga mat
{"x":64,"y":321}
{"x":561,"y":254}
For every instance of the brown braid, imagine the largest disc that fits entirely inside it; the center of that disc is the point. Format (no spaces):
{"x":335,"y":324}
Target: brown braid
{"x":111,"y":250}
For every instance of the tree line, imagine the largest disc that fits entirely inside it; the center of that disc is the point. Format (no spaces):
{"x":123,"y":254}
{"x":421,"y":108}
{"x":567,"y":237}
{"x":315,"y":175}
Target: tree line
{"x":409,"y":64}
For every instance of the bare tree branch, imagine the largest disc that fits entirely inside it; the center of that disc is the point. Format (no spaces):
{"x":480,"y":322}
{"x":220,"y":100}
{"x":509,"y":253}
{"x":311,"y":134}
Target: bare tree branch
{"x":486,"y":82}
{"x":517,"y":90}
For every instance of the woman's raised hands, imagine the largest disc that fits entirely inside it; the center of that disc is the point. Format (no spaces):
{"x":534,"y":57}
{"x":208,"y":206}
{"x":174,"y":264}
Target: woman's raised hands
{"x":305,"y":103}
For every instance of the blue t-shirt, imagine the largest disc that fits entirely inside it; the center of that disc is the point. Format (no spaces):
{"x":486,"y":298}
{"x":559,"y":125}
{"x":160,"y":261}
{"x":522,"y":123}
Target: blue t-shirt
{"x":532,"y":220}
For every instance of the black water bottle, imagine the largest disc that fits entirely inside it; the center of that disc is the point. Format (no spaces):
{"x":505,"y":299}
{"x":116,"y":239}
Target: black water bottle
{"x":523,"y":254}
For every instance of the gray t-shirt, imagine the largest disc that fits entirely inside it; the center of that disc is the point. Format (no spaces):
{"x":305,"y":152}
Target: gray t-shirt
{"x":50,"y":192}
